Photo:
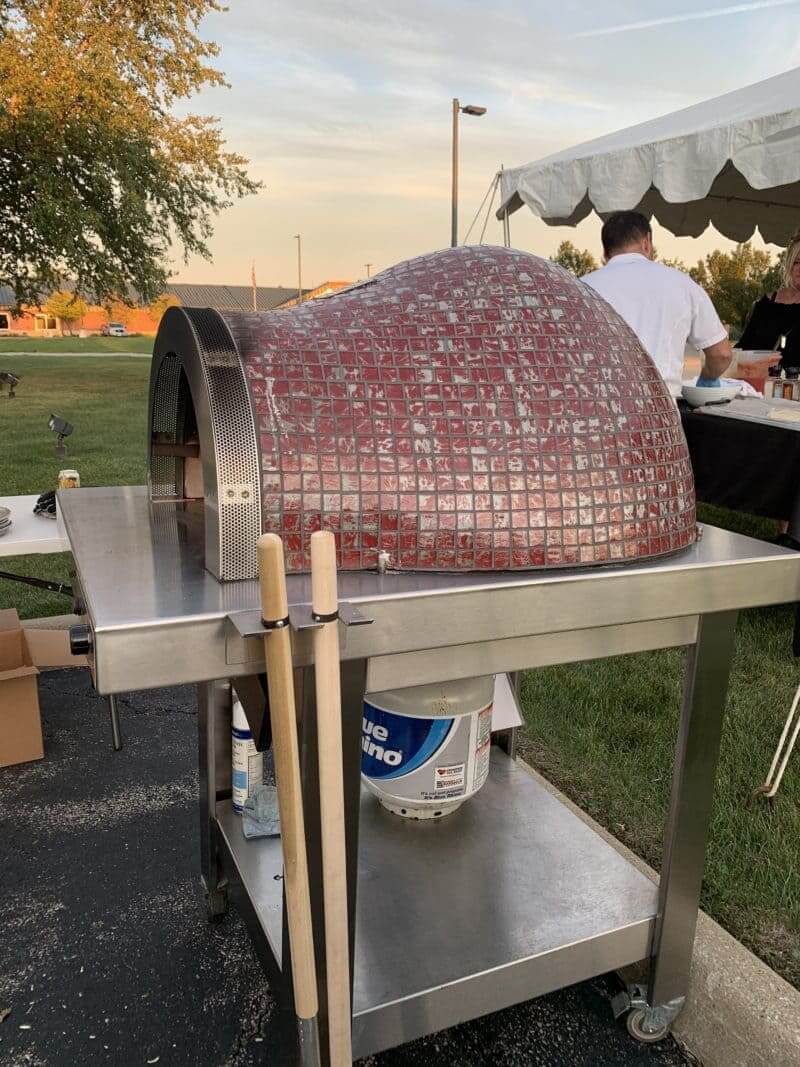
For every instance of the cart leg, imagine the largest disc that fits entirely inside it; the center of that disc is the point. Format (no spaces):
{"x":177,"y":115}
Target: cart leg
{"x":353,"y":681}
{"x":214,"y":730}
{"x":116,"y":733}
{"x":507,"y":739}
{"x":697,"y":751}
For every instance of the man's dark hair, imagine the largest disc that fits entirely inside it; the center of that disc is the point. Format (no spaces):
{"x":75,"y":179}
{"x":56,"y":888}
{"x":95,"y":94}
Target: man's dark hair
{"x":621,"y":229}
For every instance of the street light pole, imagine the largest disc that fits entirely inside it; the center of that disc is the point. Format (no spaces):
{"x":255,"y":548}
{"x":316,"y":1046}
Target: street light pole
{"x":299,"y":271}
{"x":454,"y":190}
{"x":468,"y":109}
{"x":368,"y":265}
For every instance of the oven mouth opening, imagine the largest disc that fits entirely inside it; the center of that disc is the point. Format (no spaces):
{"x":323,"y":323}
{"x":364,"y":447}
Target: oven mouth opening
{"x":176,"y":459}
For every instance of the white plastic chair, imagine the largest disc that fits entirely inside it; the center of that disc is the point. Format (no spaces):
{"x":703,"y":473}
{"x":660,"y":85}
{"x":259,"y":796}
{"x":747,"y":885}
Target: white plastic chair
{"x":782,"y":752}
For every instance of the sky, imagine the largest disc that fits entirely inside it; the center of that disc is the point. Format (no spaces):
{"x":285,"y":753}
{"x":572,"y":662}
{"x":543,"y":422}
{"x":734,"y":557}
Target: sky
{"x":344,"y":111}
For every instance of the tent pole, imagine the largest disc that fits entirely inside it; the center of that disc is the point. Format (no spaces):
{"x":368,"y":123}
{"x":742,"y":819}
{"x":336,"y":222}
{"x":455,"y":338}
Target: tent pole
{"x":506,"y":223}
{"x":454,"y":191}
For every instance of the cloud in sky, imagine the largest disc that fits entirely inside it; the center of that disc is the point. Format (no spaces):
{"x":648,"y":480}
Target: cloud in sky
{"x":344,"y":111}
{"x":689,"y":16}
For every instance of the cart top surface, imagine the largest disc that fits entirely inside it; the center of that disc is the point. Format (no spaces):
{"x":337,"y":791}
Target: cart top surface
{"x":135,"y":571}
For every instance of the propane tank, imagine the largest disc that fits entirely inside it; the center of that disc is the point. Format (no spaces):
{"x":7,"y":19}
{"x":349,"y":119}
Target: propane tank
{"x":247,"y":762}
{"x":425,"y":750}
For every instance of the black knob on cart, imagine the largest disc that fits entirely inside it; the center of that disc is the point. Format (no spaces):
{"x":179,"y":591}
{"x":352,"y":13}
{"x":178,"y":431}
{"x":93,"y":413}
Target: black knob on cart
{"x":80,"y":640}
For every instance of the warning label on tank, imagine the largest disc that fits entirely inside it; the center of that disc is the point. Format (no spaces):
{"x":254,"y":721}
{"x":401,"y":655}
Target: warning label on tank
{"x":452,"y":777}
{"x":484,"y":727}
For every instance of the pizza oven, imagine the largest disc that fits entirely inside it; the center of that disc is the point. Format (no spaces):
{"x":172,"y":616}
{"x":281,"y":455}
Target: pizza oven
{"x":474,"y":409}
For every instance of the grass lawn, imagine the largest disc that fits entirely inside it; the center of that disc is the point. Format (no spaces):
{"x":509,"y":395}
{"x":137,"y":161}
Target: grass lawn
{"x":604,"y":732}
{"x":106,"y":401}
{"x":140,"y":343}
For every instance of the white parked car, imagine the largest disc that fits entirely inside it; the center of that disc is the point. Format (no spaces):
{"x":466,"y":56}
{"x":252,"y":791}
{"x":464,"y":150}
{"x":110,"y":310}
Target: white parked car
{"x":115,"y":329}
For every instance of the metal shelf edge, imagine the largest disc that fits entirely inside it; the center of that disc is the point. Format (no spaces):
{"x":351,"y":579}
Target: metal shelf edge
{"x":529,"y":896}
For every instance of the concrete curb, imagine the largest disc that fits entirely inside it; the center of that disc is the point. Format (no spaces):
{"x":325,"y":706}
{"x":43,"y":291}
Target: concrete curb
{"x":739,"y":1012}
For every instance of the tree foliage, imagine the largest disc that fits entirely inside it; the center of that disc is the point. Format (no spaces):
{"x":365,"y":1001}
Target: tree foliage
{"x":118,"y":311}
{"x":99,"y":174}
{"x":676,"y":264}
{"x":66,"y":306}
{"x":161,"y":303}
{"x":735,"y":280}
{"x":575,"y":260}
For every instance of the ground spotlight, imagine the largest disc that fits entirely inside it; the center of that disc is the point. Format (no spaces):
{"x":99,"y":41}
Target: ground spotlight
{"x":63,"y":429}
{"x":11,"y":380}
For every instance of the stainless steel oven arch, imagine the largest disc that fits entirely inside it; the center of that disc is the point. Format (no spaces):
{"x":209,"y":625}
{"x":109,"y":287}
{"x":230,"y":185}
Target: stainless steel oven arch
{"x":197,"y":379}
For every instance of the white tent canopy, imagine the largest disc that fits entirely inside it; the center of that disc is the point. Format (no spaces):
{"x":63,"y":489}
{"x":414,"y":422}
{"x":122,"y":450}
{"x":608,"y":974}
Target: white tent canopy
{"x":733,"y":161}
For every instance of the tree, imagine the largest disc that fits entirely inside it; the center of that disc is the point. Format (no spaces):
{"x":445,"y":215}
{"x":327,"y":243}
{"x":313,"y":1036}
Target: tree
{"x":676,"y":264}
{"x":67,"y":307}
{"x":118,"y":311}
{"x":574,"y":260}
{"x":98,"y":173}
{"x":735,"y":280}
{"x":161,"y":303}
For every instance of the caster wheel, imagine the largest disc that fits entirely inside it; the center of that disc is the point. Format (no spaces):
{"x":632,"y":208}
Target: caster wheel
{"x":216,"y":905}
{"x":635,"y":1024}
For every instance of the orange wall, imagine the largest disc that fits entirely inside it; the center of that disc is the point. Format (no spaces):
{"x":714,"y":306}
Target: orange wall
{"x":137,"y":320}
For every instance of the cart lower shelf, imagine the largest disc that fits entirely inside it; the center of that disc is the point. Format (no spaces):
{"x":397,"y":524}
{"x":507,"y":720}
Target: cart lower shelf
{"x":510,"y":897}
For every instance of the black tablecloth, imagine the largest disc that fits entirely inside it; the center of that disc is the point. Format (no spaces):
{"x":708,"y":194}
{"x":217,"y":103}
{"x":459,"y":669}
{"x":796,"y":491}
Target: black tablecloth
{"x":743,"y":465}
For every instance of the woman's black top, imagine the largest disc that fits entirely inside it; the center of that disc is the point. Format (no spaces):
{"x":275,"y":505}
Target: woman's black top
{"x":768,"y":321}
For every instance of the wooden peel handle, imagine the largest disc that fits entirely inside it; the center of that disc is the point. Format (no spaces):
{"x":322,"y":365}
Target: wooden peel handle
{"x":272,"y":578}
{"x":280,"y":682}
{"x":324,"y":602}
{"x":324,"y":597}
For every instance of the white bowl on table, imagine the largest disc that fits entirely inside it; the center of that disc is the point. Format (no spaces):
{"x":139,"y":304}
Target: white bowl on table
{"x":697,"y":395}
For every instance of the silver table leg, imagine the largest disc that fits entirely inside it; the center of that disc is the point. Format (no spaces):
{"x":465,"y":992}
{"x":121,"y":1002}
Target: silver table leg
{"x":116,"y":734}
{"x":507,"y":739}
{"x":214,"y":765}
{"x":699,"y":733}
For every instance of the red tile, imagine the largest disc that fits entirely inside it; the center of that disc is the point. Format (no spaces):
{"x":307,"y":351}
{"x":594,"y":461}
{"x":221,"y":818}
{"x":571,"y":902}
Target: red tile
{"x":458,"y":408}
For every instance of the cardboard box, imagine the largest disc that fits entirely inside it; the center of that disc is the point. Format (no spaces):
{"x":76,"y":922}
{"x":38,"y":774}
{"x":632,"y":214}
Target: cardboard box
{"x":50,"y":649}
{"x":20,"y":721}
{"x":22,"y":654}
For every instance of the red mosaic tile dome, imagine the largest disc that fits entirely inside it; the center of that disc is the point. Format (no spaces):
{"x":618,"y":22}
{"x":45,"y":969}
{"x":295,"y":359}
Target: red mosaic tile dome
{"x":472,"y":409}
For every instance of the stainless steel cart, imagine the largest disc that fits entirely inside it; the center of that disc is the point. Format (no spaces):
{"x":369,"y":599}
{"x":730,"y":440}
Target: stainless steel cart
{"x":513,"y":895}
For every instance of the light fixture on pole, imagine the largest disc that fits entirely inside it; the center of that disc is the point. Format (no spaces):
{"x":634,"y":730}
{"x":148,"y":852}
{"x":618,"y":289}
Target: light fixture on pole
{"x":299,"y":270}
{"x":368,"y":265}
{"x":11,"y":380}
{"x":62,"y":429}
{"x":468,"y":109}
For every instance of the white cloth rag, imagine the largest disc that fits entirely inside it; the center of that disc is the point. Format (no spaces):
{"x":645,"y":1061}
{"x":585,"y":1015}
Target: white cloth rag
{"x":745,"y":388}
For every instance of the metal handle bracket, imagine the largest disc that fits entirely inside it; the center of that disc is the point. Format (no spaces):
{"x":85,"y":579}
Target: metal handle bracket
{"x":249,"y":623}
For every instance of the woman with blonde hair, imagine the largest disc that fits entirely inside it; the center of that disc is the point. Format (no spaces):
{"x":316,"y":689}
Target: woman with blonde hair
{"x":776,"y":316}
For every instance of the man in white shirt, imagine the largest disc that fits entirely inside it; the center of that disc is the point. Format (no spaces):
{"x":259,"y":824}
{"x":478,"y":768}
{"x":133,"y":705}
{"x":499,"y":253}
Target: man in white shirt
{"x":663,"y":306}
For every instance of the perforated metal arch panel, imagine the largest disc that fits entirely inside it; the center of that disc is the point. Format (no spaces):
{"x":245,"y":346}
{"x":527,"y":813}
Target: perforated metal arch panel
{"x":165,"y":472}
{"x":235,"y":457}
{"x":195,"y":361}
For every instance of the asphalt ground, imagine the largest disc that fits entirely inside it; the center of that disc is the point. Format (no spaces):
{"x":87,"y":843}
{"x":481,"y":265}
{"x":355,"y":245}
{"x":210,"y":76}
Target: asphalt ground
{"x":105,"y":953}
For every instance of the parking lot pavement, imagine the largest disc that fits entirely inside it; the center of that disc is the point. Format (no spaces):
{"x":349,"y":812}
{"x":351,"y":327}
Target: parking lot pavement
{"x":106,"y":954}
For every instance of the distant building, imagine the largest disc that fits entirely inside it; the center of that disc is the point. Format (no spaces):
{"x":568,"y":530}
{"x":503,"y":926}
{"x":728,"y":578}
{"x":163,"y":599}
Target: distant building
{"x":233,"y":297}
{"x":35,"y":321}
{"x":312,"y":294}
{"x":31,"y":321}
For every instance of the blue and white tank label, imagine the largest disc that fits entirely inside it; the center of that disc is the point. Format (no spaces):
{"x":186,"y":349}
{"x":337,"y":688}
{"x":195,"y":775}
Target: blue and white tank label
{"x":396,"y":745}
